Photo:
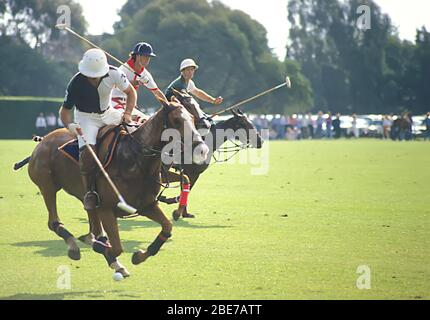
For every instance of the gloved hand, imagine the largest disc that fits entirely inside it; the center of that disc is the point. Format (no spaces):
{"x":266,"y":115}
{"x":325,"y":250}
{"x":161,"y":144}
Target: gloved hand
{"x":74,"y":129}
{"x":218,"y":100}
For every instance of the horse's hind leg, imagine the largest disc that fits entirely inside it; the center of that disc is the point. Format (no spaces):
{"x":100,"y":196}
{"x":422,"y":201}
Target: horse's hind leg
{"x":158,"y":216}
{"x":111,"y":250}
{"x":49,"y":194}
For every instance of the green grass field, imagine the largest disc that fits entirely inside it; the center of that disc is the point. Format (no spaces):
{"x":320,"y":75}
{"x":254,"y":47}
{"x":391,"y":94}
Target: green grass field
{"x":300,"y":232}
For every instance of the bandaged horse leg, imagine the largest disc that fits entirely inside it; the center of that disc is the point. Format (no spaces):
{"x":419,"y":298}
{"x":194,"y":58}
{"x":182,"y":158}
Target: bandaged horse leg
{"x":110,"y":246}
{"x":193,"y":179}
{"x":155,"y":214}
{"x":183,"y":199}
{"x":88,"y":167}
{"x":73,"y":249}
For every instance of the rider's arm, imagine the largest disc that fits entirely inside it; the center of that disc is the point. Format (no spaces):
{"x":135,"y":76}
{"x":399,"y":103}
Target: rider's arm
{"x":202,"y":95}
{"x":122,"y":83}
{"x":159,"y":94}
{"x":131,"y":102}
{"x":66,"y":116}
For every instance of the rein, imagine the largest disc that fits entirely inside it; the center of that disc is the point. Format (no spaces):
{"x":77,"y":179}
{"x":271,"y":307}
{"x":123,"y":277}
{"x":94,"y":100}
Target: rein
{"x":230,"y":149}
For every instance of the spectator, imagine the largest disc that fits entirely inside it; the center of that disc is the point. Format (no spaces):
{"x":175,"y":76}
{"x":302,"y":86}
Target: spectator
{"x":336,"y":126}
{"x":410,"y":123}
{"x":41,"y":125}
{"x":319,"y":130}
{"x":51,"y":121}
{"x":282,"y":126}
{"x":386,"y":124}
{"x":258,"y":123}
{"x":427,"y":124}
{"x":292,"y":122}
{"x":395,"y":128}
{"x":265,"y":122}
{"x":302,"y":126}
{"x":329,"y":124}
{"x":275,"y":126}
{"x":310,"y":125}
{"x":355,"y":130}
{"x":291,"y":133}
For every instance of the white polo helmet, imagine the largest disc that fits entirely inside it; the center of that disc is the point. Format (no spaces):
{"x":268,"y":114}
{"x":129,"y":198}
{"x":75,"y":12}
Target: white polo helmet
{"x":188,"y":63}
{"x":94,"y":64}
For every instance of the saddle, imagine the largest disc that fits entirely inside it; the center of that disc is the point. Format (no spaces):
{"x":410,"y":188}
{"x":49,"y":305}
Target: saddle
{"x":107,"y":141}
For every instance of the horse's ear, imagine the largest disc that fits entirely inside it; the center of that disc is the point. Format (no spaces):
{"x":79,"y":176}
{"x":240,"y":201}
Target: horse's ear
{"x":234,"y":113}
{"x":239,"y":112}
{"x":178,"y":94}
{"x":163,"y":102}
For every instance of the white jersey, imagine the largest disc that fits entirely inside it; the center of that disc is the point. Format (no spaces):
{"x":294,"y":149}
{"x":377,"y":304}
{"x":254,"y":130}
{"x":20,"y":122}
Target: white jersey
{"x":145,"y":79}
{"x":191,"y":87}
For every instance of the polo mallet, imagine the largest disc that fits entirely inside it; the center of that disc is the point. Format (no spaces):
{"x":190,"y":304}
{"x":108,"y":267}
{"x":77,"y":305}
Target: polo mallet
{"x":286,"y":83}
{"x":121,"y":204}
{"x":63,"y":26}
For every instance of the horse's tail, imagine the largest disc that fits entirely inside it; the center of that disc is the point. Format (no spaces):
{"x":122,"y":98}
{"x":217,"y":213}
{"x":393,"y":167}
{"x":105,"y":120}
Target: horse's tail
{"x":24,"y":162}
{"x":21,"y":164}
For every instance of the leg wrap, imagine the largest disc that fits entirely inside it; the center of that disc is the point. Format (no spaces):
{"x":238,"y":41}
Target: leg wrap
{"x":100,"y":245}
{"x":155,"y":246}
{"x":109,"y":258}
{"x":183,"y":199}
{"x":59,"y":229}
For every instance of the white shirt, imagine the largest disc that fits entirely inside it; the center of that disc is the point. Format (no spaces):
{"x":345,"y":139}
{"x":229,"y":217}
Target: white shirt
{"x":40,"y":122}
{"x":51,"y":120}
{"x":145,"y":79}
{"x":191,"y":86}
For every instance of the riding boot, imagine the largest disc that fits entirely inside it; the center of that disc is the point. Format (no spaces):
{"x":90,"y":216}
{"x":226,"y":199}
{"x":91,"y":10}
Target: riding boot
{"x":88,"y":174}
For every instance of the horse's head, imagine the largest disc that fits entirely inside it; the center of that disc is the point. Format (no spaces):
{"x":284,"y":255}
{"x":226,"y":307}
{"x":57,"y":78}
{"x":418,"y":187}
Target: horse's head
{"x":193,"y":107}
{"x":178,"y":118}
{"x":241,"y":122}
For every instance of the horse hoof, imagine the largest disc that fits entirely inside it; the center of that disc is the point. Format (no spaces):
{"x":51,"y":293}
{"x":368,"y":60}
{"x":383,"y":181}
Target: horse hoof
{"x":74,"y":254}
{"x":87,"y":239}
{"x":124,"y":272}
{"x":139,"y":257}
{"x":176,"y":215}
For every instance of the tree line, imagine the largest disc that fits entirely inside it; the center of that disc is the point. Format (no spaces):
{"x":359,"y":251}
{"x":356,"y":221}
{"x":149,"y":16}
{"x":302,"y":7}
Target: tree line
{"x":333,"y":65}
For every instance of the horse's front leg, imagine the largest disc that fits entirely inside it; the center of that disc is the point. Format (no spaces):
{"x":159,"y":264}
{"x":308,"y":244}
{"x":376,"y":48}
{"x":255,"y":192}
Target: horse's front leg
{"x":110,"y":247}
{"x":157,"y":215}
{"x":95,"y":228}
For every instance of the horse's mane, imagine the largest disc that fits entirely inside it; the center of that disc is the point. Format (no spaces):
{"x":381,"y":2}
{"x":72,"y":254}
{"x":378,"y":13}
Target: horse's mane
{"x":147,"y":125}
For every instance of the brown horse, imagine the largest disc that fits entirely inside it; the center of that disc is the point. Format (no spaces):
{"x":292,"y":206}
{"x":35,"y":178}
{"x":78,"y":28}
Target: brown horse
{"x":135,"y":169}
